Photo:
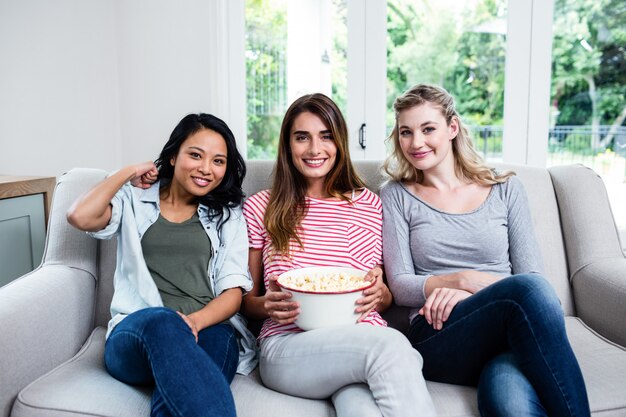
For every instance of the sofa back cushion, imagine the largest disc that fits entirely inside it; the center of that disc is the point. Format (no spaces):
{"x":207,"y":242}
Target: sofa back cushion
{"x":107,"y":254}
{"x":546,"y":219}
{"x":260,"y":174}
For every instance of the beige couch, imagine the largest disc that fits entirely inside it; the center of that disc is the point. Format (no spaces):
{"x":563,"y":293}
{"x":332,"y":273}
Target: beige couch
{"x":52,"y":320}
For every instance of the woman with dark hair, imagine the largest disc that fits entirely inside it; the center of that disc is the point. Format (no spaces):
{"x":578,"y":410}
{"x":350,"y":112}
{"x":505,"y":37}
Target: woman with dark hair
{"x":319,"y":213}
{"x":181,"y":269}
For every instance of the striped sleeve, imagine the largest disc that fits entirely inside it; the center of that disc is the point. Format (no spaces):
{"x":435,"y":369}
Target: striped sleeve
{"x":254,"y":212}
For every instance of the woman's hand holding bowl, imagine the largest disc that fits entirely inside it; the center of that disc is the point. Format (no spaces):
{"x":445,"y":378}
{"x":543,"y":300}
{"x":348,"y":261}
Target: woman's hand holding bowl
{"x":373,"y":295}
{"x":278,"y":305}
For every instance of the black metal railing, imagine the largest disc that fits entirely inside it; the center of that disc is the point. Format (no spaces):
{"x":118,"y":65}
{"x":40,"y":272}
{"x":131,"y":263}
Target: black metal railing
{"x":603,"y":148}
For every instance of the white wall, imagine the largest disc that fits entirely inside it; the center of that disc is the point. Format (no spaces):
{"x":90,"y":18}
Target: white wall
{"x":163,"y":71}
{"x":102,"y":83}
{"x":58,"y":86}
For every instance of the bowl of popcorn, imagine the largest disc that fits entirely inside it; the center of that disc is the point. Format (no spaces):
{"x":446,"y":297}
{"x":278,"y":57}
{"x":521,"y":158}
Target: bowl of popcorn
{"x":327,"y":295}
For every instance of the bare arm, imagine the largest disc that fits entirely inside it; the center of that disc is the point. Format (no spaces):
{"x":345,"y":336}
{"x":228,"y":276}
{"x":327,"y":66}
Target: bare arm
{"x":273,"y":303}
{"x":92,"y":212}
{"x":444,"y":291}
{"x":252,"y":304}
{"x":377,"y":296}
{"x":466,"y":280}
{"x":216,"y":311}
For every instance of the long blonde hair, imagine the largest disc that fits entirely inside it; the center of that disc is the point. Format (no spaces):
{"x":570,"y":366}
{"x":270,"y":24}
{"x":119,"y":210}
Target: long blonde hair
{"x":468,"y":164}
{"x":287,"y":205}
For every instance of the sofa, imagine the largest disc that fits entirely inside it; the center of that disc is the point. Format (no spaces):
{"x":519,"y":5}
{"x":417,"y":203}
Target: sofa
{"x":52,"y":320}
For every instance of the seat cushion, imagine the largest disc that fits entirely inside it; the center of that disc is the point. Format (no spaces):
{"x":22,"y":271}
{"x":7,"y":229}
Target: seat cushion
{"x":603,"y":365}
{"x":82,"y":386}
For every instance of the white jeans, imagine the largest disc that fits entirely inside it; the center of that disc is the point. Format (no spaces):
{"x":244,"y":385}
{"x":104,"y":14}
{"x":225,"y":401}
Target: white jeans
{"x":366,"y":370}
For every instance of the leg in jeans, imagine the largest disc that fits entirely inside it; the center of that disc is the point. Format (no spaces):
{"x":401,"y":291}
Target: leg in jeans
{"x":503,"y":390}
{"x":220,"y":343}
{"x":318,"y":363}
{"x":521,"y":314}
{"x":154,"y":345}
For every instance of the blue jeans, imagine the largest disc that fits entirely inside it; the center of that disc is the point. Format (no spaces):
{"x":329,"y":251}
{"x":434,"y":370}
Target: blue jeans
{"x":155,"y":346}
{"x":508,"y":339}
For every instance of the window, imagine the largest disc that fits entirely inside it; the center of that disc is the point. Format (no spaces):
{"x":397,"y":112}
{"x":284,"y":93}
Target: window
{"x":292,"y":48}
{"x":588,"y":91}
{"x":460,"y":45}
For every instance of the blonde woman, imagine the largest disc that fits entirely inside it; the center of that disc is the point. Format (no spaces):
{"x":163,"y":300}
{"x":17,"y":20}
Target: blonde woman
{"x":459,"y":249}
{"x":318,"y":213}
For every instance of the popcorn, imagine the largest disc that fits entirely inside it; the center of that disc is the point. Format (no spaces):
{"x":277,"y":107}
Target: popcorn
{"x":325,"y":282}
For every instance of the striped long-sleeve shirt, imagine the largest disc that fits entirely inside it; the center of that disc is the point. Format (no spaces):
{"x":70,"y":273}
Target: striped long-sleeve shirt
{"x":333,"y":233}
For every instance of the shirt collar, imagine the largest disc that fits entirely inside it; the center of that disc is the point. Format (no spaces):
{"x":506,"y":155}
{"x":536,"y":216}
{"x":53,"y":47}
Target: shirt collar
{"x":150,"y":195}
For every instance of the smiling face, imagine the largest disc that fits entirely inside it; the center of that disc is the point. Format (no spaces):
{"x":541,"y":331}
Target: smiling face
{"x":313,"y":148}
{"x":200,"y":164}
{"x":425,"y":138}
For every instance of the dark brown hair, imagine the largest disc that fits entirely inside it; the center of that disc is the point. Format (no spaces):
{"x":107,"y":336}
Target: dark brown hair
{"x":287,"y":205}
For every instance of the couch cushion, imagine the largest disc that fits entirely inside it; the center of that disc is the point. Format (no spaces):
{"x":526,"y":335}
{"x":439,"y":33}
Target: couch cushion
{"x":603,"y":364}
{"x":107,"y":256}
{"x":254,"y":400}
{"x":545,"y":215}
{"x":259,"y":176}
{"x":82,"y":386}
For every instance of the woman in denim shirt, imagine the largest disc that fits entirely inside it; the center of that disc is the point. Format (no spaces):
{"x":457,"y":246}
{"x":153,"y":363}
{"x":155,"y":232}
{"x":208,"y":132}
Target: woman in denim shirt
{"x":181,"y":269}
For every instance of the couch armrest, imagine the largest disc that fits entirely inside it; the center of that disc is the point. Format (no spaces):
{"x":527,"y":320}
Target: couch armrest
{"x":587,"y":221}
{"x":600,"y":292}
{"x":45,"y":317}
{"x":597,"y":267}
{"x":66,"y":245}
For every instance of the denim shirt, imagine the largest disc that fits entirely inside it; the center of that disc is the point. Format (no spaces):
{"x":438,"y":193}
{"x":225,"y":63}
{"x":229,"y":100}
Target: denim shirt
{"x":134,"y":211}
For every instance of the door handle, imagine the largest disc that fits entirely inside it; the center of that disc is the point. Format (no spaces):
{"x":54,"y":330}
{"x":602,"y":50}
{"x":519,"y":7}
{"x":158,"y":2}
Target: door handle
{"x":362,"y":136}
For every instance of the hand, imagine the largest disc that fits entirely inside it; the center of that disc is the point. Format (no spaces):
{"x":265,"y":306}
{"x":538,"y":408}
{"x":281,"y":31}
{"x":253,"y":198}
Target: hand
{"x":439,"y":305}
{"x":191,"y":323}
{"x":277,"y":303}
{"x":373,"y":295}
{"x":145,"y":175}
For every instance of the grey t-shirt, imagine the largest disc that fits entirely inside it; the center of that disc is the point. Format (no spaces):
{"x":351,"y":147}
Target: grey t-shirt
{"x":420,"y":240}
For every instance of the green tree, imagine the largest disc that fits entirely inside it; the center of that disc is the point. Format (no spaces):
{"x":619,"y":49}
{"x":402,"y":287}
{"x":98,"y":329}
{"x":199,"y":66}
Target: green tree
{"x":266,"y":43}
{"x":589,"y":65}
{"x":434,"y":44}
{"x":266,"y":66}
{"x":477,"y":78}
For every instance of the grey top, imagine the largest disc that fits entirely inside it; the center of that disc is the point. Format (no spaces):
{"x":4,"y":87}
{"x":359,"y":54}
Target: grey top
{"x":420,"y":240}
{"x":177,"y":256}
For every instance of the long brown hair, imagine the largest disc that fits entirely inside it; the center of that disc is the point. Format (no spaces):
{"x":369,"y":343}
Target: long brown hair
{"x":287,"y":205}
{"x":468,"y":164}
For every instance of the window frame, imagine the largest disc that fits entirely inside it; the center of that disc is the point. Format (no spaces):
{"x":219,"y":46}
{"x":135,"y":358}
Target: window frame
{"x":526,"y":91}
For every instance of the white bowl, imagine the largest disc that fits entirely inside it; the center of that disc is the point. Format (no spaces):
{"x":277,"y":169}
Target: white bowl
{"x":324,"y":309}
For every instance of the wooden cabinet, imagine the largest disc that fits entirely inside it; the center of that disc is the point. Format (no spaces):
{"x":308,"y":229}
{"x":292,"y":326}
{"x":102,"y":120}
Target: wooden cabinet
{"x":24,"y":207}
